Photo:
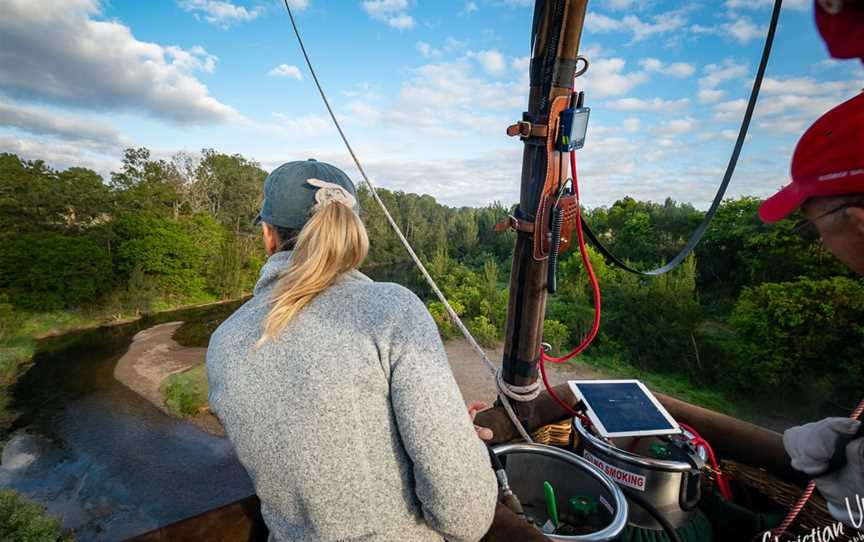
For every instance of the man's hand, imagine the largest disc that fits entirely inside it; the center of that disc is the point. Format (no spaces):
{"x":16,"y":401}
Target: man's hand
{"x":473,"y":408}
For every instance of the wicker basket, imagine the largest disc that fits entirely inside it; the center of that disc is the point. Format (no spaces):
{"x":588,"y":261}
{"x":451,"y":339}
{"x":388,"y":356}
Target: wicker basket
{"x":556,"y":434}
{"x":813,"y":515}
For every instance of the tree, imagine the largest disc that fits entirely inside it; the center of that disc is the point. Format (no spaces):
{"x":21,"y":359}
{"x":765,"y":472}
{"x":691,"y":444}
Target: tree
{"x":49,"y":271}
{"x":793,"y":335}
{"x":147,"y":186}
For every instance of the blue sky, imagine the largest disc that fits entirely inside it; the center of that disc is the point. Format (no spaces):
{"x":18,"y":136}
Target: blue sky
{"x":425,"y":89}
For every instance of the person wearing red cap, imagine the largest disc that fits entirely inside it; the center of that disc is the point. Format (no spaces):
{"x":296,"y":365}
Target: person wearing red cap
{"x":840,"y":23}
{"x":828,"y":187}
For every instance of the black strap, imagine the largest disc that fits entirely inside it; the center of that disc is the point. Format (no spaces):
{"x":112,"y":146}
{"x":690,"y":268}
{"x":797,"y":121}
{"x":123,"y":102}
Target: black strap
{"x":697,"y":234}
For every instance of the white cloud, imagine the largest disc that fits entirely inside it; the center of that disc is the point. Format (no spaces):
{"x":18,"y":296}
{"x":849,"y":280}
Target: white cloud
{"x":800,"y":5}
{"x":743,"y":29}
{"x":87,"y":132}
{"x":789,"y":105}
{"x":452,"y":45}
{"x":470,"y":7}
{"x":286,"y":70}
{"x":717,"y":74}
{"x":631,"y":124}
{"x":730,"y":110}
{"x":707,"y":95}
{"x":620,"y":5}
{"x":608,"y":78}
{"x":447,"y":98}
{"x":740,"y":28}
{"x":427,"y":51}
{"x":677,"y":126}
{"x":221,"y":13}
{"x":676,"y":69}
{"x":492,"y":61}
{"x":654,"y":104}
{"x":641,"y":29}
{"x":392,"y":12}
{"x":521,"y":64}
{"x":808,"y":86}
{"x":98,"y":64}
{"x":597,"y":22}
{"x":302,"y":125}
{"x":59,"y":155}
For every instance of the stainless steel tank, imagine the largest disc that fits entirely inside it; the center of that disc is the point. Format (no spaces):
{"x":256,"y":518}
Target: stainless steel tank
{"x":529,"y":465}
{"x":673,"y":487}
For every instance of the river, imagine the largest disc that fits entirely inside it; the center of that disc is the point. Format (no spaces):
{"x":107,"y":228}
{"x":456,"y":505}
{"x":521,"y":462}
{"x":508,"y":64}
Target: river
{"x":100,"y":457}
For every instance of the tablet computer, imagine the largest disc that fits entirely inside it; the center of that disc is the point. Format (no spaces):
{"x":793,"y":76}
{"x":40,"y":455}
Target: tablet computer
{"x":623,"y":408}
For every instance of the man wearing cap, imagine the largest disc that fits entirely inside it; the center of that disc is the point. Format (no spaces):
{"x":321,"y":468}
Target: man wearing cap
{"x":828,"y":187}
{"x":335,"y":390}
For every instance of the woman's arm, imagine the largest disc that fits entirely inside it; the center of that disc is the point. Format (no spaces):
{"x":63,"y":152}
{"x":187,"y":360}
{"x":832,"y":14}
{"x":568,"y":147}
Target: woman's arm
{"x":454,"y":480}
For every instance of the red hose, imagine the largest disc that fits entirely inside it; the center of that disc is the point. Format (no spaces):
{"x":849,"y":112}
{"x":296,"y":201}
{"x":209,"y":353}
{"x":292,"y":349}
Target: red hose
{"x":722,"y":482}
{"x":595,"y":286}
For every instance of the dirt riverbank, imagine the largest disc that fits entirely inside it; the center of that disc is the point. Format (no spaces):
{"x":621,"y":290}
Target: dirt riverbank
{"x":153,"y":356}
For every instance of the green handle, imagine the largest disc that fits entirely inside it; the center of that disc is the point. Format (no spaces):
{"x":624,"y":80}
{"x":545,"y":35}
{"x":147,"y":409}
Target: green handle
{"x":551,"y":505}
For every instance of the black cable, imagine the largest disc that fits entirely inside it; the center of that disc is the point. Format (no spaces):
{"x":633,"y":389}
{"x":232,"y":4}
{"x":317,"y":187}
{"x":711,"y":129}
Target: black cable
{"x":697,"y":234}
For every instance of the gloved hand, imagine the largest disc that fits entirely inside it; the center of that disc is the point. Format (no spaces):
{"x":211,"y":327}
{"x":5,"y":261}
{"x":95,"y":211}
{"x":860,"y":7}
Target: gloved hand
{"x":811,"y":446}
{"x":844,"y":489}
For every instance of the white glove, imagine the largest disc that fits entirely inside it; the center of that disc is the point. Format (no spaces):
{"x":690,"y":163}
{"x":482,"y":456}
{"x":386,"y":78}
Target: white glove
{"x":811,"y":446}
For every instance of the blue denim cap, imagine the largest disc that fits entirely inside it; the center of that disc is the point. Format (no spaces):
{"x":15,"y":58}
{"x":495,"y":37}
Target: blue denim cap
{"x":289,"y":198}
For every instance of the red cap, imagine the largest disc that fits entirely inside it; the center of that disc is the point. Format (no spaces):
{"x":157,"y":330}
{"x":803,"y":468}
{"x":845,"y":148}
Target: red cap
{"x":828,"y":161}
{"x":841,"y":23}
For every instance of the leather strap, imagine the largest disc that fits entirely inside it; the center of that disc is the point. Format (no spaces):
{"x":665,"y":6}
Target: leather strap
{"x":513,"y":223}
{"x":525,"y":129}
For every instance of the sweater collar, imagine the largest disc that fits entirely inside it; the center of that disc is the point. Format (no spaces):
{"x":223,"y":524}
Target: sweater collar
{"x":273,"y":267}
{"x":279,"y":262}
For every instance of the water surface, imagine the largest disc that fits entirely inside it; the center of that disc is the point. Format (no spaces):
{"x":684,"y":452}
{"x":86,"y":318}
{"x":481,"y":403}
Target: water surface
{"x":103,"y":459}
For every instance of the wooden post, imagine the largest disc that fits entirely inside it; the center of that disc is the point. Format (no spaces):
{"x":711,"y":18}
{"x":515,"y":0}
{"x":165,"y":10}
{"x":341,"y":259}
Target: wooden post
{"x":557,"y":30}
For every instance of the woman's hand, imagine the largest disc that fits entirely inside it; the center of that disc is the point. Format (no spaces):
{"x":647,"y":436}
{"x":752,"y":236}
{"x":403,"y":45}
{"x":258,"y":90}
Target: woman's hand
{"x":473,"y":408}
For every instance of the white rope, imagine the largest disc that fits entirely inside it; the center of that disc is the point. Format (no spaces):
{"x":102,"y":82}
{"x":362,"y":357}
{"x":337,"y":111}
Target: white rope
{"x":502,"y":390}
{"x":517,"y":393}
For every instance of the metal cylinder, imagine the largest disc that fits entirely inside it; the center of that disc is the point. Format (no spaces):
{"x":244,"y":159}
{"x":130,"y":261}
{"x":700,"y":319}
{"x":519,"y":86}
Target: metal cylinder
{"x":529,"y":465}
{"x":673,"y":487}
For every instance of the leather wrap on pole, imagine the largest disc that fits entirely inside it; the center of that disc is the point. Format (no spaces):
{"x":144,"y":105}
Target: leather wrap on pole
{"x":555,"y":42}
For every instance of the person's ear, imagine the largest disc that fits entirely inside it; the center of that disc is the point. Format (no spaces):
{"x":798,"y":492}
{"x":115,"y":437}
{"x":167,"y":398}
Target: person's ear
{"x":857,"y":215}
{"x":270,"y":239}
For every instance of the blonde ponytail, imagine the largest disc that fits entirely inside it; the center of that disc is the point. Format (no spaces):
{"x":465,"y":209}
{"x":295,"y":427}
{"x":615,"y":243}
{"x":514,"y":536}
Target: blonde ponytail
{"x":332,"y":242}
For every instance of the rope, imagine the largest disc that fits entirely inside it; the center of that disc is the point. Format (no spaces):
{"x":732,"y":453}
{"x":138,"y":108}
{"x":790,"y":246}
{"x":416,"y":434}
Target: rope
{"x":517,"y":393}
{"x":700,"y":230}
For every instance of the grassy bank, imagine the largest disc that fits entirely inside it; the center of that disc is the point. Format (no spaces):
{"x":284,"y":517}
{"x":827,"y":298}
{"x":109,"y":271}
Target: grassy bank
{"x":186,"y":393}
{"x":24,"y":521}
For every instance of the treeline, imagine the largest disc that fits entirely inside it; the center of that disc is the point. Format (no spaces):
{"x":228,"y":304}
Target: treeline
{"x":756,"y":311}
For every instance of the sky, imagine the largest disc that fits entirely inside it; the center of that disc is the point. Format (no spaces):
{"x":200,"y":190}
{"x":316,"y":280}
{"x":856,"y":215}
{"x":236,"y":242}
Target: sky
{"x":424,"y":89}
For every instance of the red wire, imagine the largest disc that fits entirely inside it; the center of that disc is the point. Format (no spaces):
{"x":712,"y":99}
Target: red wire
{"x":595,"y":286}
{"x":722,"y":482}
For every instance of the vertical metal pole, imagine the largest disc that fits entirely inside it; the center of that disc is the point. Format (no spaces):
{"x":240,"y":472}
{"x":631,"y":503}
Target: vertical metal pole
{"x":557,"y":29}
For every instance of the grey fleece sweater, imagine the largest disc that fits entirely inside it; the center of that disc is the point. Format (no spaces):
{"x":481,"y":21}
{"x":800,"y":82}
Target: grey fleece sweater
{"x":350,"y":422}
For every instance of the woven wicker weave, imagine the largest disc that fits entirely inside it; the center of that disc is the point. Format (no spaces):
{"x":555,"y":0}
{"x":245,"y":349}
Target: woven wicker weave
{"x":556,"y":434}
{"x":814,"y":514}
